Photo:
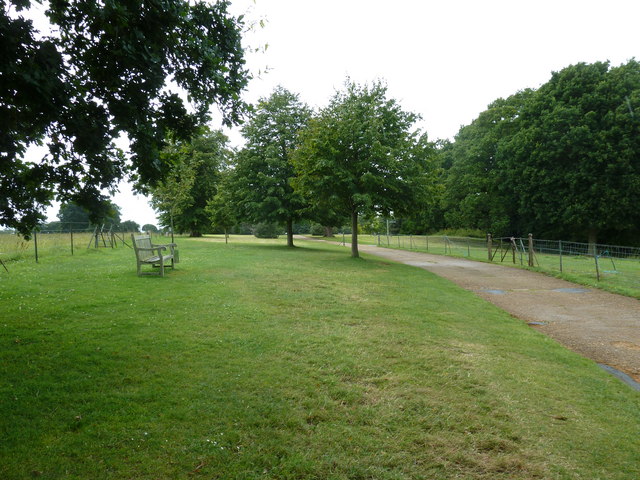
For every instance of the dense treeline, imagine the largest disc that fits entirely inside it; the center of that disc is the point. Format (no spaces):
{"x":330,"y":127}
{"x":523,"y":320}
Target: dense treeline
{"x":561,"y":161}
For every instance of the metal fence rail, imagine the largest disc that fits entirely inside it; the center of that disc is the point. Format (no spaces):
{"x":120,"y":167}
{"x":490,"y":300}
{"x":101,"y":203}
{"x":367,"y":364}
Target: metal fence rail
{"x":614,"y":266}
{"x":65,"y":239}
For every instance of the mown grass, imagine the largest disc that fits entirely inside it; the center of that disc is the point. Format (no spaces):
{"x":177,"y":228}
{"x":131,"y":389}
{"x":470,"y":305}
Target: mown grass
{"x":254,"y":361}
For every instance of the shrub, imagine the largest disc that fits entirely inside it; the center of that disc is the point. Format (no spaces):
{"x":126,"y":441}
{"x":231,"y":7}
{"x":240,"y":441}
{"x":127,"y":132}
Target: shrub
{"x":317,"y":229}
{"x":266,"y":230}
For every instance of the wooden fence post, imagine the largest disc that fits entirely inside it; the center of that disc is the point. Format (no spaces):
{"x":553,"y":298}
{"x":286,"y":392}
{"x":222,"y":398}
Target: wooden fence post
{"x":530,"y":250}
{"x":489,"y":246}
{"x":560,"y":246}
{"x":35,"y":244}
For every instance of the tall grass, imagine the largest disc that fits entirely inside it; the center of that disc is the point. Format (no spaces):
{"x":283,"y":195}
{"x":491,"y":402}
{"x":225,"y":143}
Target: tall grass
{"x":41,"y":245}
{"x":255,"y":361}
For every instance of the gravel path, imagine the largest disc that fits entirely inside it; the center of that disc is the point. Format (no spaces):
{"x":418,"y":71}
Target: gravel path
{"x":599,"y":325}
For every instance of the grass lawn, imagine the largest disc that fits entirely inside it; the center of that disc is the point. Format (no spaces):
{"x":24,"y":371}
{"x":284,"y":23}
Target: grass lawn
{"x":254,"y":361}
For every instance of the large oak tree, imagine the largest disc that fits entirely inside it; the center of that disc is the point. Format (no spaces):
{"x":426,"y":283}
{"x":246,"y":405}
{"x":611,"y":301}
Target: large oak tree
{"x":107,"y":69}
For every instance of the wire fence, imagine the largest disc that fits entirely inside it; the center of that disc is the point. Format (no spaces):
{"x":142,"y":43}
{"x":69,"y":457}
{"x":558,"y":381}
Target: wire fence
{"x":65,"y":239}
{"x":613,"y":267}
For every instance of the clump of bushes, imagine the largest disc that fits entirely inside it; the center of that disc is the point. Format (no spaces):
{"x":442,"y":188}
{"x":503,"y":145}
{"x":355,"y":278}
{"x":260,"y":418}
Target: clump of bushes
{"x":317,"y":229}
{"x":266,"y":230}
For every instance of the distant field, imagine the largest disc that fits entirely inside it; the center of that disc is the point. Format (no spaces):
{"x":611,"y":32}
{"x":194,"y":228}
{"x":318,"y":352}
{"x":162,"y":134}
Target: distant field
{"x":255,"y":361}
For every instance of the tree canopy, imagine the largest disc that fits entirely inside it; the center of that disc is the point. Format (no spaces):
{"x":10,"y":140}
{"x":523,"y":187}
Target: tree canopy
{"x":559,"y":162}
{"x":130,"y":226}
{"x":182,"y":198}
{"x":108,"y":69}
{"x":572,"y":165}
{"x":359,"y":155}
{"x":221,"y":209}
{"x":263,"y":170}
{"x":473,"y":195}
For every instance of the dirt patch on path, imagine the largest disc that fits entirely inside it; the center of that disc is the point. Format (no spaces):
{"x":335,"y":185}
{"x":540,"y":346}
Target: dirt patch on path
{"x":599,"y":325}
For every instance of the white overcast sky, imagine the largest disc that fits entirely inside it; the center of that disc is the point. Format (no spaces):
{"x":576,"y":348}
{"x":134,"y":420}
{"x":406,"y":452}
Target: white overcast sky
{"x":445,"y":60}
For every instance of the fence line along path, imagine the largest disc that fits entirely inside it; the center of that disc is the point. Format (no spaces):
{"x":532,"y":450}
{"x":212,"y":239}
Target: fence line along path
{"x":599,"y":325}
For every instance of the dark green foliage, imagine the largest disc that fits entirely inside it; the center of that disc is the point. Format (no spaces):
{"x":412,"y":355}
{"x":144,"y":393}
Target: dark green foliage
{"x":129,"y":226}
{"x":302,"y":227}
{"x":317,"y":229}
{"x":560,"y":162}
{"x":220,"y":209}
{"x":474,"y":195}
{"x":182,"y":198}
{"x":147,"y":227}
{"x":54,"y":227}
{"x":261,"y":181}
{"x":572,"y":168}
{"x":266,"y":230}
{"x":109,"y":69}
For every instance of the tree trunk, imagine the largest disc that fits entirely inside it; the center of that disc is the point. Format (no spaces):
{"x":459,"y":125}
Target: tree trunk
{"x":592,"y":240}
{"x":290,"y":233}
{"x":328,"y":232}
{"x":354,"y":235}
{"x":226,"y":236}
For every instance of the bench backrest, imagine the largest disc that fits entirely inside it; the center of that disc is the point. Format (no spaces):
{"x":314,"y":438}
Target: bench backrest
{"x":142,"y":241}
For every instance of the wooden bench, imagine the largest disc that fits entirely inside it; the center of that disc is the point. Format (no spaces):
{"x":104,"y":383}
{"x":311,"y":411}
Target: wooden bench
{"x":148,"y":253}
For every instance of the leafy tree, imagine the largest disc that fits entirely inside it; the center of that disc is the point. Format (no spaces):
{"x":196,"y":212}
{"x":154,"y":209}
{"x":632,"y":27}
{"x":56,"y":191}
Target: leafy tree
{"x":79,"y":217}
{"x":263,"y":169}
{"x":130,"y":226}
{"x":572,"y":167}
{"x":110,"y":69}
{"x":358,"y":156}
{"x":148,"y":227}
{"x":182,"y":198}
{"x":220,"y":208}
{"x":473,"y":194}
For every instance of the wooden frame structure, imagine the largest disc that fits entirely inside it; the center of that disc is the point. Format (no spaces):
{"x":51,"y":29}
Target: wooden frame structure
{"x":148,"y":253}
